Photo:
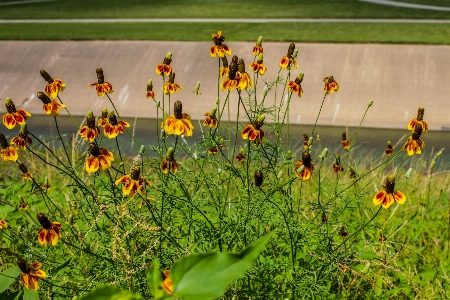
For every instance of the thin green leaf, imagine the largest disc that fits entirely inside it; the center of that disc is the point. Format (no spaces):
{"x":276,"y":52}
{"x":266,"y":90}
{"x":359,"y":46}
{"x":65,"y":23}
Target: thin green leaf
{"x":7,"y":277}
{"x":206,"y":276}
{"x":110,"y":293}
{"x":60,"y":267}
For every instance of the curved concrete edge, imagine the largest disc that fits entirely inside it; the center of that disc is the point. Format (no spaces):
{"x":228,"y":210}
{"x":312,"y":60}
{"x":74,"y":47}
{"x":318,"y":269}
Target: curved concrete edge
{"x":408,"y":5}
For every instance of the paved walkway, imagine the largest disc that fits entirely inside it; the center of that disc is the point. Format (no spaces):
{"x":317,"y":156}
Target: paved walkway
{"x":22,"y":2}
{"x":408,"y":5}
{"x":204,"y":20}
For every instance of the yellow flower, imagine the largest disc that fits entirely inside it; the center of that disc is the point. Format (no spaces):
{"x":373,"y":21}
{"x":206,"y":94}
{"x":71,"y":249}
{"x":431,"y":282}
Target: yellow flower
{"x":241,"y":155}
{"x":50,"y":231}
{"x":51,"y":107}
{"x":213,"y":150}
{"x":3,"y":224}
{"x":237,"y":77}
{"x":253,"y":131}
{"x":25,"y":173}
{"x":171,"y":86}
{"x":331,"y":85}
{"x":169,"y":162}
{"x":219,"y":48}
{"x":100,"y":158}
{"x":167,"y":282}
{"x":418,"y":120}
{"x":211,"y":120}
{"x":389,"y":149}
{"x":258,"y":49}
{"x":224,"y":71}
{"x":31,"y":274}
{"x":387,"y":197}
{"x":21,"y":140}
{"x":101,"y":85}
{"x":414,"y":145}
{"x":337,"y":166}
{"x":54,"y":86}
{"x":288,"y":61}
{"x":258,"y":66}
{"x":165,"y":67}
{"x":114,"y":127}
{"x":150,"y":92}
{"x":13,"y":116}
{"x":295,"y":86}
{"x":103,"y":120}
{"x":179,"y":123}
{"x":306,"y":174}
{"x":8,"y":152}
{"x":23,"y":206}
{"x":133,"y":183}
{"x":89,"y":132}
{"x":345,"y":142}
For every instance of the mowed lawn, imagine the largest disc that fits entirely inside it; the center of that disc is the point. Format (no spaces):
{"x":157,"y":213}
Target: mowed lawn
{"x":238,"y":31}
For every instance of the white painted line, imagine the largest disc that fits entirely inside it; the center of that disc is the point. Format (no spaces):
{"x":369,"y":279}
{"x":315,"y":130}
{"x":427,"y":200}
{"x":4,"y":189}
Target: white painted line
{"x":335,"y":113}
{"x":22,"y":2}
{"x":298,"y":118}
{"x":408,"y":5}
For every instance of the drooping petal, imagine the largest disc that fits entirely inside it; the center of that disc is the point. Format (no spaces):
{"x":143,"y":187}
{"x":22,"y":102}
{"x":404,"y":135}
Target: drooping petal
{"x":379,"y":197}
{"x":92,"y":164}
{"x":399,"y":197}
{"x":388,"y":200}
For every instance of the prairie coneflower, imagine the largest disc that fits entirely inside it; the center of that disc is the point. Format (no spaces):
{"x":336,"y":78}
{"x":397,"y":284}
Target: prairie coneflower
{"x":253,"y":132}
{"x":23,"y":205}
{"x":258,"y":66}
{"x":13,"y":116}
{"x":343,"y":232}
{"x":51,"y":107}
{"x":213,"y":150}
{"x":179,"y":123}
{"x":54,"y":86}
{"x":224,"y":71}
{"x":219,"y":48}
{"x":25,"y":173}
{"x":345,"y":142}
{"x":306,"y":174}
{"x":22,"y":139}
{"x":165,"y":67}
{"x":150,"y":92}
{"x":103,"y":87}
{"x":221,"y":144}
{"x":306,"y":144}
{"x":8,"y":152}
{"x":289,"y":60}
{"x":331,"y":85}
{"x":258,"y":178}
{"x":167,"y":282}
{"x":244,"y":80}
{"x":414,"y":145}
{"x":3,"y":224}
{"x":46,"y":185}
{"x":50,"y":231}
{"x":418,"y":120}
{"x":103,"y":120}
{"x":241,"y":155}
{"x":258,"y":49}
{"x":89,"y":132}
{"x":389,"y":149}
{"x":296,"y":85}
{"x":134,"y":182}
{"x":337,"y":166}
{"x":31,"y":274}
{"x":231,"y":81}
{"x":169,"y":162}
{"x":100,"y":158}
{"x":211,"y":120}
{"x":387,"y":197}
{"x":197,"y":89}
{"x":353,"y":174}
{"x":114,"y":127}
{"x":171,"y":86}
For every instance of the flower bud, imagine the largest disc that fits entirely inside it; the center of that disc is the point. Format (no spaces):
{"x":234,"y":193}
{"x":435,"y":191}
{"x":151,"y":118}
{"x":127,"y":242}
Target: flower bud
{"x":142,"y":150}
{"x":70,"y":220}
{"x":408,"y":173}
{"x":324,"y":153}
{"x":310,"y":141}
{"x":294,"y":55}
{"x":169,"y":55}
{"x":277,"y":77}
{"x":439,"y":153}
{"x":163,"y":133}
{"x":259,"y":42}
{"x":318,"y":138}
{"x":261,"y":119}
{"x":370,"y":103}
{"x":217,"y":100}
{"x":158,"y":103}
{"x":301,"y":169}
{"x":197,"y":86}
{"x":433,"y":164}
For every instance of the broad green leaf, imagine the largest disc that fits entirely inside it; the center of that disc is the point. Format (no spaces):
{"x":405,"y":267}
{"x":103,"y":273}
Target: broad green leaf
{"x":206,"y":276}
{"x":60,"y":267}
{"x":30,"y":294}
{"x":379,"y":286}
{"x":14,"y":296}
{"x":154,"y":280}
{"x":7,"y":277}
{"x":110,"y":293}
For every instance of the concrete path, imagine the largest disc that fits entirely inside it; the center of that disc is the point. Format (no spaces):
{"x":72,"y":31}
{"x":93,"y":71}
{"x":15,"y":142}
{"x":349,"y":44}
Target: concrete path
{"x":408,"y":5}
{"x":398,"y":78}
{"x":22,"y":2}
{"x":205,"y":20}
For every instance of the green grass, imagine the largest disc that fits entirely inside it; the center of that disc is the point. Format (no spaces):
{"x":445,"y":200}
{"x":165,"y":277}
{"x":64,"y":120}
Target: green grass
{"x":297,"y":32}
{"x":212,"y":9}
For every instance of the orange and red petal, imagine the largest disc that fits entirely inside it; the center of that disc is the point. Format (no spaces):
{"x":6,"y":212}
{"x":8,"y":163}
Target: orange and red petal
{"x":92,"y":164}
{"x":165,"y":166}
{"x":9,"y":121}
{"x":379,"y":197}
{"x":213,"y":51}
{"x":105,"y":163}
{"x":284,"y":62}
{"x":399,"y":197}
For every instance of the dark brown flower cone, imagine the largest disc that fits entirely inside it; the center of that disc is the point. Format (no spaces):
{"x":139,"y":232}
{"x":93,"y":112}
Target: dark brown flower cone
{"x":224,"y":62}
{"x":45,"y":222}
{"x":23,"y":266}
{"x":112,"y":118}
{"x":100,"y":76}
{"x":306,"y":137}
{"x":291,"y":50}
{"x":241,"y":66}
{"x":178,"y":110}
{"x":172,"y":77}
{"x":44,"y":98}
{"x":306,"y":159}
{"x":10,"y":107}
{"x":93,"y":149}
{"x":167,"y":61}
{"x":344,"y":136}
{"x":420,"y":113}
{"x":135,"y":172}
{"x":390,"y":184}
{"x":258,"y":178}
{"x":232,"y":70}
{"x":3,"y":141}
{"x":46,"y":76}
{"x":90,"y":122}
{"x":417,"y":132}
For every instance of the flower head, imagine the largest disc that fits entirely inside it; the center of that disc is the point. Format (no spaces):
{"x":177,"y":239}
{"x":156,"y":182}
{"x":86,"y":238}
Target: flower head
{"x":331,"y":85}
{"x":389,"y":149}
{"x":8,"y":152}
{"x":100,"y":158}
{"x":31,"y":274}
{"x":54,"y":86}
{"x":13,"y":116}
{"x":89,"y":132}
{"x":253,"y":132}
{"x":258,"y":66}
{"x":258,"y":177}
{"x":51,"y":107}
{"x":114,"y":127}
{"x":101,"y":85}
{"x":258,"y":49}
{"x":345,"y":142}
{"x":165,"y":67}
{"x":3,"y":224}
{"x":237,"y":77}
{"x":387,"y":197}
{"x":224,"y":71}
{"x":414,"y":144}
{"x":25,"y":173}
{"x":103,"y":120}
{"x":197,"y":89}
{"x":150,"y":92}
{"x":134,"y":182}
{"x":306,"y":144}
{"x":337,"y":166}
{"x":21,"y":140}
{"x":219,"y":48}
{"x":213,"y":150}
{"x":241,"y":155}
{"x":418,"y":120}
{"x":179,"y":123}
{"x":295,"y":86}
{"x":308,"y":167}
{"x":169,"y":162}
{"x":211,"y":119}
{"x":167,"y":282}
{"x":23,"y":205}
{"x":288,"y":61}
{"x":50,"y":231}
{"x":171,"y":86}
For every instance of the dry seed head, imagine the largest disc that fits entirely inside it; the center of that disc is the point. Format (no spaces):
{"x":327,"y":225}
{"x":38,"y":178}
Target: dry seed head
{"x":44,"y":98}
{"x":46,"y":76}
{"x":224,"y":61}
{"x":100,"y":76}
{"x":420,"y":113}
{"x":241,"y":65}
{"x":290,"y":50}
{"x":417,"y":132}
{"x":135,"y":172}
{"x":258,"y":178}
{"x":178,"y":110}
